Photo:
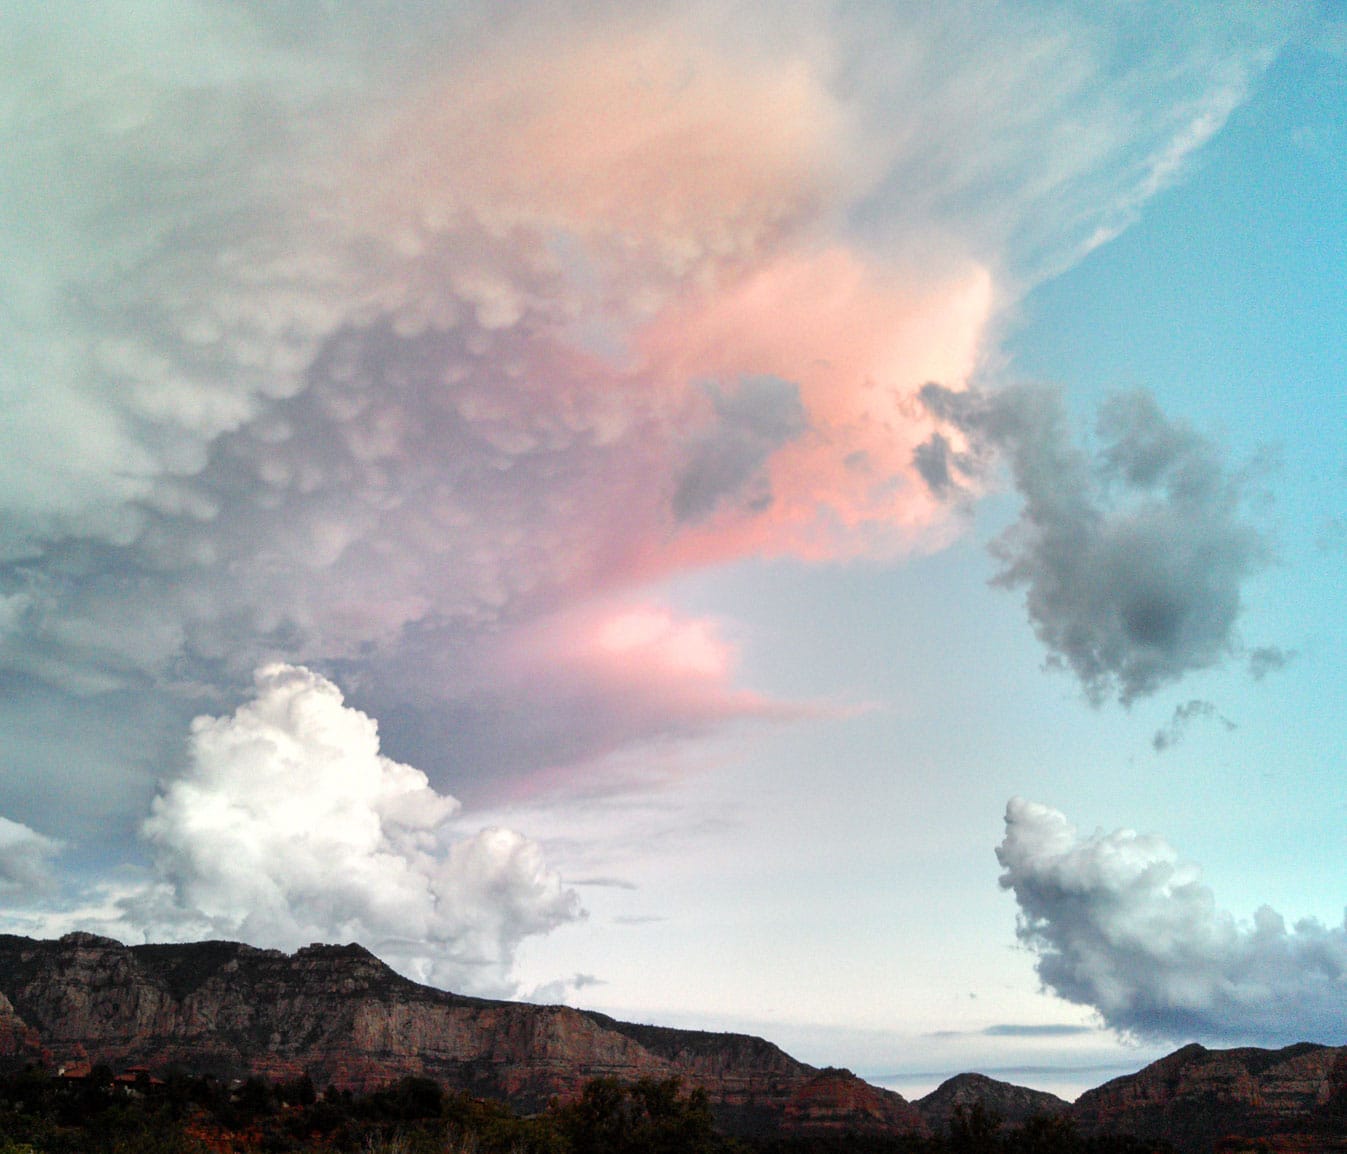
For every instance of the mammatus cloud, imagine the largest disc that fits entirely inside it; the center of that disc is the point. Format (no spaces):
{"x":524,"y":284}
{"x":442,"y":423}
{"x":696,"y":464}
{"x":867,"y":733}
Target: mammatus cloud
{"x":1121,"y":923}
{"x":335,"y":343}
{"x":344,"y":349}
{"x":1132,"y":557}
{"x":289,"y":826}
{"x":334,"y":351}
{"x":1184,"y":714}
{"x":381,"y":341}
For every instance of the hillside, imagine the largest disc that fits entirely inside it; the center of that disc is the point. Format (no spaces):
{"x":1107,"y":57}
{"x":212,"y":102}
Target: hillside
{"x":340,"y":1016}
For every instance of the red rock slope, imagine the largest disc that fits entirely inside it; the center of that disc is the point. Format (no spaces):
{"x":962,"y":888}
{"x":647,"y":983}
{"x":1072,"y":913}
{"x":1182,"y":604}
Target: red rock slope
{"x":339,"y":1015}
{"x":1195,"y":1097}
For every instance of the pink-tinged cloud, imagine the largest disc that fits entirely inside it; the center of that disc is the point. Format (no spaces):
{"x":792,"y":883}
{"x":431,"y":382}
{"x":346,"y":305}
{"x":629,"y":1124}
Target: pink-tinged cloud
{"x":859,"y":344}
{"x":612,"y":694}
{"x":654,"y":671}
{"x":679,"y":648}
{"x":385,"y":347}
{"x":684,"y":197}
{"x":668,"y":154}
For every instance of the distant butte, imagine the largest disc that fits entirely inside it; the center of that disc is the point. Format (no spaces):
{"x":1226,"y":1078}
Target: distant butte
{"x":1011,"y":1103}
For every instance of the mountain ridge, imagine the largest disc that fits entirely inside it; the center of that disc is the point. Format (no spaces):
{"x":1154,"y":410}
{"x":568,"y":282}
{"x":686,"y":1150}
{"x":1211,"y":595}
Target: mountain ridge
{"x":340,"y":1016}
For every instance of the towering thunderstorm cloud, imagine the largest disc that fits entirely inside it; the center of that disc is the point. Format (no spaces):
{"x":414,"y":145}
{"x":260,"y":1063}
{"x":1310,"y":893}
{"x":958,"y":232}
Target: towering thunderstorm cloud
{"x":289,"y":826}
{"x":1122,"y":924}
{"x":1132,"y":559}
{"x":418,"y":344}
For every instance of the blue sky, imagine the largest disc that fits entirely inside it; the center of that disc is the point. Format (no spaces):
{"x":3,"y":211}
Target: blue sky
{"x":508,"y":438}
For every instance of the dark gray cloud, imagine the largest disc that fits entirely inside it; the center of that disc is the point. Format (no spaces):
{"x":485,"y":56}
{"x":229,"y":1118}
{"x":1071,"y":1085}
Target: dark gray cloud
{"x":1173,"y":731}
{"x":1132,"y":557}
{"x":752,"y":421}
{"x":939,"y":465}
{"x":1332,"y":535}
{"x":1268,"y":659}
{"x":1121,"y":924}
{"x":561,"y":990}
{"x":1010,"y":1030}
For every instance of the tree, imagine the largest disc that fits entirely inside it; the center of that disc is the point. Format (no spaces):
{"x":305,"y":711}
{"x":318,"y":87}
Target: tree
{"x":975,"y":1129}
{"x":646,"y":1117}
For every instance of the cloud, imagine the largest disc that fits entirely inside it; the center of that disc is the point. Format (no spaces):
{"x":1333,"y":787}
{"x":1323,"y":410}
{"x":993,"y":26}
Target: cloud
{"x":606,"y":883}
{"x":1133,"y":558}
{"x":751,"y":423}
{"x":642,"y":670}
{"x":1122,"y":924}
{"x":306,"y":326}
{"x":25,"y":862}
{"x":289,"y":826}
{"x":1010,"y":1030}
{"x":1184,"y":714}
{"x":1269,"y":659}
{"x":332,"y":354}
{"x":598,"y":697}
{"x":562,"y":990}
{"x":376,"y":342}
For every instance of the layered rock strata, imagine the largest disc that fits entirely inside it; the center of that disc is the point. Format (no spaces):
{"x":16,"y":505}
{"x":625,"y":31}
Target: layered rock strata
{"x":342,"y":1017}
{"x":1195,"y":1097}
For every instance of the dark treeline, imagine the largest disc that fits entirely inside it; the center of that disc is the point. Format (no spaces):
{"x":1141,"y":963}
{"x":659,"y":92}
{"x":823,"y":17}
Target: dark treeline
{"x":182,"y":1114}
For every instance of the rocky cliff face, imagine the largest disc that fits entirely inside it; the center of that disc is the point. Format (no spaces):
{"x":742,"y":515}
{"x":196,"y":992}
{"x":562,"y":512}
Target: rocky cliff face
{"x":339,"y":1015}
{"x":1195,"y":1096}
{"x":17,"y":1038}
{"x":1012,"y":1104}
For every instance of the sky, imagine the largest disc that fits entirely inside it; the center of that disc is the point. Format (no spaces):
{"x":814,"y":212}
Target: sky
{"x":823,"y":523}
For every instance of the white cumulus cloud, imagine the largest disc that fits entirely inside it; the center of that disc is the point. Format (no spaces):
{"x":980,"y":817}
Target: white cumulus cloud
{"x":289,"y":826}
{"x":1121,"y":923}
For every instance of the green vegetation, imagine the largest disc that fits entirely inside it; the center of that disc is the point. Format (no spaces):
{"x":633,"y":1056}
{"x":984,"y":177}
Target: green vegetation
{"x":182,"y":1114}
